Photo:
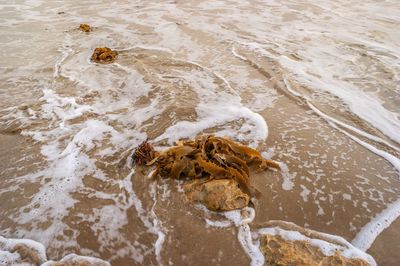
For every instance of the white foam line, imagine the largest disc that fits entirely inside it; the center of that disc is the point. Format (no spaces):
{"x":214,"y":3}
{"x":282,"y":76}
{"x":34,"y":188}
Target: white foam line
{"x":154,"y":225}
{"x":389,"y":157}
{"x":161,"y":236}
{"x":326,"y":117}
{"x":238,"y":55}
{"x":191,"y":62}
{"x":38,"y":251}
{"x":146,"y":48}
{"x":212,"y":72}
{"x":225,"y":81}
{"x":220,"y":224}
{"x":124,"y":68}
{"x":356,"y":130}
{"x":367,"y":235}
{"x":325,"y":246}
{"x":332,"y":121}
{"x":289,"y":88}
{"x":252,"y":250}
{"x":138,"y":204}
{"x":158,"y":246}
{"x":374,"y":228}
{"x":288,"y":178}
{"x":244,"y":234}
{"x":57,"y":66}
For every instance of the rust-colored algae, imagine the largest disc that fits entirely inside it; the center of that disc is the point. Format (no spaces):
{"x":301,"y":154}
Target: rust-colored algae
{"x":143,"y":153}
{"x":104,"y":55}
{"x":85,"y":28}
{"x":211,"y":158}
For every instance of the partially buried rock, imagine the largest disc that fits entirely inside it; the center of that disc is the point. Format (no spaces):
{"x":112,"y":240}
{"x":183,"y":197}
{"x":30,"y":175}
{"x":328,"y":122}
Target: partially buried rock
{"x":285,"y":243}
{"x":104,"y":55}
{"x":85,"y":28}
{"x":278,"y":251}
{"x":217,"y":194}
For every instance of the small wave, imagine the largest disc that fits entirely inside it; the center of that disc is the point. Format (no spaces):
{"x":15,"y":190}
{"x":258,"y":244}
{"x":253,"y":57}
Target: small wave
{"x":29,"y":252}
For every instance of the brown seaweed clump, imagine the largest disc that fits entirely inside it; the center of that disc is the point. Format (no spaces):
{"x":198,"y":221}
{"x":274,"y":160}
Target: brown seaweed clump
{"x":104,"y":55}
{"x":143,"y":153}
{"x":85,"y":28}
{"x":210,"y":158}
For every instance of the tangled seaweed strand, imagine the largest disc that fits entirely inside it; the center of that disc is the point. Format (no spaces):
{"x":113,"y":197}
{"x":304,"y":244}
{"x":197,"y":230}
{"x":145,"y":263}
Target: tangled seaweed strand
{"x":210,"y":157}
{"x":143,"y":153}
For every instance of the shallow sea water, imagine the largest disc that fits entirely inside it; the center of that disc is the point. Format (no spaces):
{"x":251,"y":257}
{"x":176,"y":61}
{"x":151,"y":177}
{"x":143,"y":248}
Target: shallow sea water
{"x":312,"y":84}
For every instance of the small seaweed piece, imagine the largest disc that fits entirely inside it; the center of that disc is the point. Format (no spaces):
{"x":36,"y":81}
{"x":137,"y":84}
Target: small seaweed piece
{"x":143,"y":153}
{"x":85,"y":28}
{"x":104,"y":55}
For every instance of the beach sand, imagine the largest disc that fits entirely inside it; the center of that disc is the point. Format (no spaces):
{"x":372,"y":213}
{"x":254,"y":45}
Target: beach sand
{"x":313,"y":86}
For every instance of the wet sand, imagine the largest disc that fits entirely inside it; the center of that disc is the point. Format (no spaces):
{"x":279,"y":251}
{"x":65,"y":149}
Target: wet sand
{"x":253,"y":72}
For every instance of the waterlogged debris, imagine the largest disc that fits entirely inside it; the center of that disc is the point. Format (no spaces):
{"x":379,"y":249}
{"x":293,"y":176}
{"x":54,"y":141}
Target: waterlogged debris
{"x":217,"y":195}
{"x":85,"y":28}
{"x":104,"y":55}
{"x":144,"y":153}
{"x":211,"y":158}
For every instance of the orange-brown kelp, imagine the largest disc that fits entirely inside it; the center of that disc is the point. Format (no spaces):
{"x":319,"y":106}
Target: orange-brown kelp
{"x":144,"y":153}
{"x":210,"y":157}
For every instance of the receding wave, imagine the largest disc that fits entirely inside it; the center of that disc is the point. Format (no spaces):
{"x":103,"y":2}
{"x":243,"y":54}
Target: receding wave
{"x":314,"y":86}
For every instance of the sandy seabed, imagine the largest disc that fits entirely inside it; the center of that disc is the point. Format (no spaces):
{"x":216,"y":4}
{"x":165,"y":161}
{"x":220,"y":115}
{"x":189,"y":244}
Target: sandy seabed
{"x":314,"y":86}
